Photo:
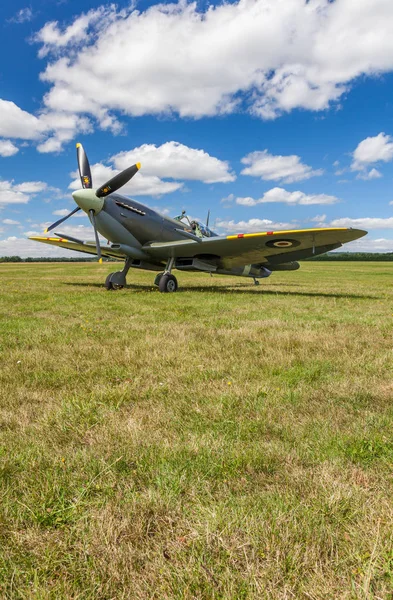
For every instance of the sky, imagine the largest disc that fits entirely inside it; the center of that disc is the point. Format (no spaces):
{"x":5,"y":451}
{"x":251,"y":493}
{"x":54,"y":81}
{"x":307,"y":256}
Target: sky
{"x":273,"y":114}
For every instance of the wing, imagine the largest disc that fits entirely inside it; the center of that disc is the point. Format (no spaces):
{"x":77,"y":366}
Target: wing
{"x":271,"y":247}
{"x":78,"y":246}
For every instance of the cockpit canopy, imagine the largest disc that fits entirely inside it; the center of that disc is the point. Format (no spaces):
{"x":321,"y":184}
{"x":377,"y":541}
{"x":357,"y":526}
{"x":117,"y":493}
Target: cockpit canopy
{"x":201,"y":229}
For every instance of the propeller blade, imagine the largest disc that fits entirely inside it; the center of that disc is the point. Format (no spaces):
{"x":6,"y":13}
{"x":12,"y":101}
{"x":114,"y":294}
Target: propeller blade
{"x":98,"y":247}
{"x":117,"y":181}
{"x":62,"y":220}
{"x":69,"y":238}
{"x":208,"y":218}
{"x":84,"y":167}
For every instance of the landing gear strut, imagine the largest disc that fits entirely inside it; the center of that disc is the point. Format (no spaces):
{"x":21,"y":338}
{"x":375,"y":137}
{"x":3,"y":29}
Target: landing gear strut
{"x":256,"y":282}
{"x":117,"y":280}
{"x":166,"y":281}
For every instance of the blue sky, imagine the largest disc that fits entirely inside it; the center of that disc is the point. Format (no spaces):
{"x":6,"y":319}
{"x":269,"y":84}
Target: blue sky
{"x":270,"y":114}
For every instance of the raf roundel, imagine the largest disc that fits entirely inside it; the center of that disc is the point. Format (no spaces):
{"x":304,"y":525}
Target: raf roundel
{"x":282,"y":243}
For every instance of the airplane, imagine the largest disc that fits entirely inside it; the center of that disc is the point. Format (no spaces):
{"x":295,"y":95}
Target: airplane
{"x":148,"y":240}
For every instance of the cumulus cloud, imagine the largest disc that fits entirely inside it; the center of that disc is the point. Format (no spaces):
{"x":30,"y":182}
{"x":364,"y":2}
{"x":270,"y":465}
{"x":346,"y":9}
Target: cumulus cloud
{"x":20,"y":193}
{"x":14,"y":246}
{"x":371,"y":150}
{"x":372,"y":174}
{"x":17,"y":123}
{"x":10,"y":222}
{"x":284,"y":58}
{"x":7,"y":148}
{"x":51,"y":129}
{"x":54,"y":39}
{"x":31,"y":187}
{"x":22,"y":16}
{"x":62,"y":212}
{"x":251,"y":226}
{"x":171,"y":160}
{"x":278,"y":194}
{"x":369,"y":245}
{"x":175,"y":161}
{"x":364,"y":223}
{"x":140,"y":185}
{"x":288,"y":169}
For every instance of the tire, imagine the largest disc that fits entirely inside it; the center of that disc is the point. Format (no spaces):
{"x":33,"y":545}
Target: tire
{"x":108,"y":283}
{"x":168,"y":283}
{"x":157,"y":279}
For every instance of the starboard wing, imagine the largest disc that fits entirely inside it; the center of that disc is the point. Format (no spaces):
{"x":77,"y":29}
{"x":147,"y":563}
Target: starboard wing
{"x":78,"y":246}
{"x":271,"y":247}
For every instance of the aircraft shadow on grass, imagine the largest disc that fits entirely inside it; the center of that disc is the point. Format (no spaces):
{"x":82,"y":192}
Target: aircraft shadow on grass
{"x":235,"y":289}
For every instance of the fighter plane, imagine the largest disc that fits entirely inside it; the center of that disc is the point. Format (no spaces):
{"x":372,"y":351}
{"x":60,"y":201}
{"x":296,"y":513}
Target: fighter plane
{"x":145,"y":239}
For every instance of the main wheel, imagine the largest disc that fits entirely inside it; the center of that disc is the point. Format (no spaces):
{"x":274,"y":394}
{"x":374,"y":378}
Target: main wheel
{"x":168,"y":283}
{"x":157,"y":279}
{"x":110,"y":285}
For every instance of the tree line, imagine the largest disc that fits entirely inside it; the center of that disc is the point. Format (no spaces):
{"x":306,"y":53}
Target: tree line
{"x":18,"y":259}
{"x":330,"y":256}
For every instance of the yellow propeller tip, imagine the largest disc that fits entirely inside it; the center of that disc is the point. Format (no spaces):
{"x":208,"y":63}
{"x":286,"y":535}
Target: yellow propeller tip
{"x":138,"y":166}
{"x":100,"y":261}
{"x":46,"y":231}
{"x":78,"y":145}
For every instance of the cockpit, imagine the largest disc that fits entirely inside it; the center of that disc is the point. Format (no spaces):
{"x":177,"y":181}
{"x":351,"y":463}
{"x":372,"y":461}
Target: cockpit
{"x":201,"y":230}
{"x":197,"y":227}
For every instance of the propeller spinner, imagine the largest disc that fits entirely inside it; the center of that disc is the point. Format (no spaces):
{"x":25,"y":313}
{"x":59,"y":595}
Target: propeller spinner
{"x":90,"y":200}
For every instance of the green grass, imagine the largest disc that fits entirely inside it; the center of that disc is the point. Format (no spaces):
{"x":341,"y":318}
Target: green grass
{"x":226,"y":441}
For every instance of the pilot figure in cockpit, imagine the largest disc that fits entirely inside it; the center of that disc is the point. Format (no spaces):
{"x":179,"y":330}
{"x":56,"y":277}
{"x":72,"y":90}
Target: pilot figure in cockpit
{"x":196,"y":229}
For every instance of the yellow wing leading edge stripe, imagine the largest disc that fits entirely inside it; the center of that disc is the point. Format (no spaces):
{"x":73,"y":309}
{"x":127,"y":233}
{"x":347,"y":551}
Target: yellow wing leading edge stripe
{"x":284,"y":232}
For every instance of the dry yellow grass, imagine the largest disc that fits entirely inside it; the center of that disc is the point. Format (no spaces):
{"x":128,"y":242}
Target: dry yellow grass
{"x":225,"y":441}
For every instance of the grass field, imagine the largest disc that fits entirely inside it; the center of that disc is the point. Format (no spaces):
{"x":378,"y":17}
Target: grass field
{"x":226,"y":441}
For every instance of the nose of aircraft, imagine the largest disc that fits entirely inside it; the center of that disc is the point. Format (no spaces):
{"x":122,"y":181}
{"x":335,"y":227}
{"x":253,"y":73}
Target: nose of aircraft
{"x":87,"y":200}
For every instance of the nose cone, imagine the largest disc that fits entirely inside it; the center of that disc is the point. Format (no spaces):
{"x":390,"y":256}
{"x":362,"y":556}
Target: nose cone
{"x":87,"y":200}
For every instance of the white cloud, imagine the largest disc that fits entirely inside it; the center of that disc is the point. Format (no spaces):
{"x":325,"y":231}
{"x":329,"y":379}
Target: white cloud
{"x":284,"y":58}
{"x":10,"y":222}
{"x":62,"y":212}
{"x":280,"y":195}
{"x":176,"y":161}
{"x":372,"y":174}
{"x":31,"y":187}
{"x":227,"y":201}
{"x":369,"y":245}
{"x":20,"y":193}
{"x":364,"y":223}
{"x":22,"y":16}
{"x":372,"y":150}
{"x":318,"y":219}
{"x":7,"y":148}
{"x":51,"y":129}
{"x":275,"y":168}
{"x":53,"y":39}
{"x":252,"y":225}
{"x":14,"y":246}
{"x":17,"y":123}
{"x":140,"y":185}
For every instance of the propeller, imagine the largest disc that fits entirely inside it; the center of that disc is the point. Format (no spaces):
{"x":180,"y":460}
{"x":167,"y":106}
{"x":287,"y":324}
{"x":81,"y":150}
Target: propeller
{"x":62,"y":220}
{"x":89,"y":200}
{"x":117,"y":181}
{"x":84,"y":167}
{"x":93,"y":222}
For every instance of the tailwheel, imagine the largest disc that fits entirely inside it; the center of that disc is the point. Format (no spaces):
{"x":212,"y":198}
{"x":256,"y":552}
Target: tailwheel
{"x":167,"y":283}
{"x":112,"y":285}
